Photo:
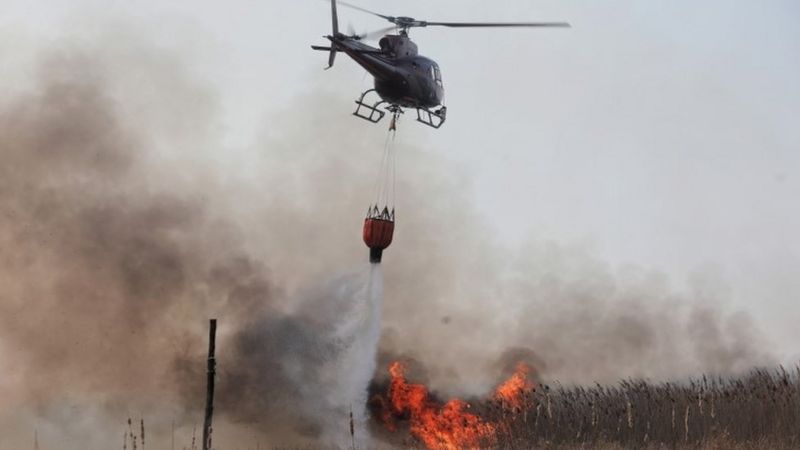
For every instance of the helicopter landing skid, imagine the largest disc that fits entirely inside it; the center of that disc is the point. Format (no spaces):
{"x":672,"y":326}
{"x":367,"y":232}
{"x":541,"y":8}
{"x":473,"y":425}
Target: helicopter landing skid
{"x":433,"y":119}
{"x":372,"y":113}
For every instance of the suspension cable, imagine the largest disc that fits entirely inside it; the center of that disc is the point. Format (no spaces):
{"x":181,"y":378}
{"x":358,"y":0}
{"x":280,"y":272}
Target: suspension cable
{"x":394,"y":168}
{"x":386,"y":184}
{"x":379,"y":182}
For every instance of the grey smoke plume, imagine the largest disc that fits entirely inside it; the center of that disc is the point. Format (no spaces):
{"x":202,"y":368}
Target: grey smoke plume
{"x":121,"y":234}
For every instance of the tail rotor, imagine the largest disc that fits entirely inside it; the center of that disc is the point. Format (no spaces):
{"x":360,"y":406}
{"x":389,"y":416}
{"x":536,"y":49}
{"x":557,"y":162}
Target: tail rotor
{"x":335,"y":23}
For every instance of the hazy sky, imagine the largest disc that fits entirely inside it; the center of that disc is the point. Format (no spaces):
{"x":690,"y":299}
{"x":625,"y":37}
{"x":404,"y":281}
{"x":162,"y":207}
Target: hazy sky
{"x":661,"y":134}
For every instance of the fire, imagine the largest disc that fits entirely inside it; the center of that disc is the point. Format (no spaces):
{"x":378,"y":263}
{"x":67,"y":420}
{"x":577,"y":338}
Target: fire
{"x":512,"y":392}
{"x":438,"y":427}
{"x":449,"y":426}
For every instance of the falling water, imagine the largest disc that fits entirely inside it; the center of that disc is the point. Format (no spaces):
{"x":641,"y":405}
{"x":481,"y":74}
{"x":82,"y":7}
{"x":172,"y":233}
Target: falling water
{"x":346,"y":316}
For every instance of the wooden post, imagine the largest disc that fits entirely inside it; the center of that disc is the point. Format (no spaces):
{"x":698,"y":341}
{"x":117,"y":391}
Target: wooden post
{"x":352,"y":428}
{"x":212,"y":366}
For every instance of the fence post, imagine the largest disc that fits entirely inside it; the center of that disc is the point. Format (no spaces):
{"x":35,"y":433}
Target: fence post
{"x":212,"y":366}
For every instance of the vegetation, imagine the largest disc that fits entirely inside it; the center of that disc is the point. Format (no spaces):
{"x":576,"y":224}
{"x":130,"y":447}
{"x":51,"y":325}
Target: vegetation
{"x":760,"y":410}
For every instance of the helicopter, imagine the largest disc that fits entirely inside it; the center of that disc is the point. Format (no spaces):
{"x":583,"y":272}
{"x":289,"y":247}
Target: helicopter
{"x":403,"y":77}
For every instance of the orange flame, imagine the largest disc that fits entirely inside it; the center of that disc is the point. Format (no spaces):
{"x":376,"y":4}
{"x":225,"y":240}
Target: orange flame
{"x":512,"y":391}
{"x":448,"y":426}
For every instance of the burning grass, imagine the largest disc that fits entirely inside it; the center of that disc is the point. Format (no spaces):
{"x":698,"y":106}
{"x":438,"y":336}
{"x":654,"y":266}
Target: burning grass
{"x":758,"y":410}
{"x":448,"y":426}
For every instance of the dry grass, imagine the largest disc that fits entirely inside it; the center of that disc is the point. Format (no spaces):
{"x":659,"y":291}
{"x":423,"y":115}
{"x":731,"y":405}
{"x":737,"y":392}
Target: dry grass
{"x":760,"y":410}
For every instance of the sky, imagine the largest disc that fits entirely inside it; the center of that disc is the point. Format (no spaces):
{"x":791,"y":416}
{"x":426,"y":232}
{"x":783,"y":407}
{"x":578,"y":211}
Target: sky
{"x":653,"y":145}
{"x":657,"y":134}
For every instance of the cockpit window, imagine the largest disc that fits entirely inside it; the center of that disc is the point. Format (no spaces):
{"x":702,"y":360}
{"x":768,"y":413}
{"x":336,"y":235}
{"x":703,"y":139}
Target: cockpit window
{"x":436,"y":74}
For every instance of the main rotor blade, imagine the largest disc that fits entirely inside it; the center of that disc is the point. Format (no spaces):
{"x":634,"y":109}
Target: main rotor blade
{"x":498,"y":24}
{"x":377,"y":33}
{"x":358,"y":8}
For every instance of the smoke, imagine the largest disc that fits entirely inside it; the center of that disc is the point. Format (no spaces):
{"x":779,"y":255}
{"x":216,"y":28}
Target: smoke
{"x":303,"y":373}
{"x":109,"y":266}
{"x":122,"y":232}
{"x":114,"y":258}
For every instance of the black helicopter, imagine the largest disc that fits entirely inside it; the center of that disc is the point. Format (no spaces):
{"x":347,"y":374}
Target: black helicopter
{"x":403,"y":78}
